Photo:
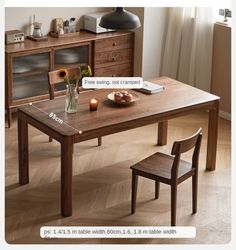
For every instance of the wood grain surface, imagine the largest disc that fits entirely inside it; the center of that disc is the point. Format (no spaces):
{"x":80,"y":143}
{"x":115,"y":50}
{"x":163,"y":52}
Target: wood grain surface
{"x":176,"y":98}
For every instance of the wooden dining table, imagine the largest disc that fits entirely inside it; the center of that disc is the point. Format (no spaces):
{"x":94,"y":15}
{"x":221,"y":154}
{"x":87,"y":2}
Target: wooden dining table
{"x":177,"y":99}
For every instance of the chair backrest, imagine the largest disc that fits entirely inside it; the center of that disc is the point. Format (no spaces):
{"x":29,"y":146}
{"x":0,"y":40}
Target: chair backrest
{"x":73,"y":74}
{"x":183,"y":146}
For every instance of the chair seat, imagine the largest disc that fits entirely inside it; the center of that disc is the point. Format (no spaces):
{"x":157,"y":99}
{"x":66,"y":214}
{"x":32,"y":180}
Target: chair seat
{"x":159,"y":167}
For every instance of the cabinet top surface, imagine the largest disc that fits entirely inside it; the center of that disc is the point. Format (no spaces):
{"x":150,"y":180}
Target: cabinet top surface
{"x":83,"y":36}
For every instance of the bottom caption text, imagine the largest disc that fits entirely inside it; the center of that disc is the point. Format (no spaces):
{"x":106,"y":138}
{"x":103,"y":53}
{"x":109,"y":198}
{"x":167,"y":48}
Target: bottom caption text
{"x":117,"y":232}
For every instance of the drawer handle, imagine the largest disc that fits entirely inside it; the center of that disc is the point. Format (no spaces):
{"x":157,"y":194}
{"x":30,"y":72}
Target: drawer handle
{"x":113,"y":58}
{"x":113,"y":44}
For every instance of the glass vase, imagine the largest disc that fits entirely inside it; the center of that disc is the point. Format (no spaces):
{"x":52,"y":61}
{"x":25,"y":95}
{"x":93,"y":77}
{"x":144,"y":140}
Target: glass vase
{"x":71,"y":99}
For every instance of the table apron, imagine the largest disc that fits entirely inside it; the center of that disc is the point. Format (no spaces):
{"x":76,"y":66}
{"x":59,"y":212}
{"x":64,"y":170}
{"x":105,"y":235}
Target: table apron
{"x":116,"y":128}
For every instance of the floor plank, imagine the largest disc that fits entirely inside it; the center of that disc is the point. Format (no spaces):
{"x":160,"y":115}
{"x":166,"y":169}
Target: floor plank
{"x":102,"y":181}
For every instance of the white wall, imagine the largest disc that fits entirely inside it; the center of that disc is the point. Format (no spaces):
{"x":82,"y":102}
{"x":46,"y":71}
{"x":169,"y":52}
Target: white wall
{"x":154,"y":32}
{"x":149,"y":40}
{"x":19,"y":17}
{"x":138,"y":46}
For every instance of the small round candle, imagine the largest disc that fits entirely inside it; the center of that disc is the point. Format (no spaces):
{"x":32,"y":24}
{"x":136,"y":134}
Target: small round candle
{"x":93,"y":104}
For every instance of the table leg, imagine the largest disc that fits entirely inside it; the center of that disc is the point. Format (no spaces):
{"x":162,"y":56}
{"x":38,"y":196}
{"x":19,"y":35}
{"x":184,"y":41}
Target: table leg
{"x":162,"y":133}
{"x":9,"y":117}
{"x":23,"y":152}
{"x":66,"y":176}
{"x":212,"y":137}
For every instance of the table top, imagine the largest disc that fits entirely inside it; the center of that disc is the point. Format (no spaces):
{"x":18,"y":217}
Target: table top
{"x":175,"y":98}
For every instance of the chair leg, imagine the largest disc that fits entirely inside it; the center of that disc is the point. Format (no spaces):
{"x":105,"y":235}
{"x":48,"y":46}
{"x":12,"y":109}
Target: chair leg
{"x":134,"y":191}
{"x":173,"y":204}
{"x":194,"y":193}
{"x":99,"y":141}
{"x":157,"y":189}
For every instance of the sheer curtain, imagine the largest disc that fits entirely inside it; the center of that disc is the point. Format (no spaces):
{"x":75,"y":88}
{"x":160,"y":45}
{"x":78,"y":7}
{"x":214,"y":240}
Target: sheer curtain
{"x":188,"y":47}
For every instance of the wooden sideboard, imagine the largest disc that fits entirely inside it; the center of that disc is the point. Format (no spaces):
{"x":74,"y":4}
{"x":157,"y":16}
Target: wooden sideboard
{"x":28,"y":63}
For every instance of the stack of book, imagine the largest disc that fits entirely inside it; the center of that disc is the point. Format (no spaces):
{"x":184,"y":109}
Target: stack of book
{"x":150,"y":88}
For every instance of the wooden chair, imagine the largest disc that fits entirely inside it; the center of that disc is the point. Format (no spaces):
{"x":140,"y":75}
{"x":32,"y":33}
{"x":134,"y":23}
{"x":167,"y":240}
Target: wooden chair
{"x":54,"y":79}
{"x":170,"y":170}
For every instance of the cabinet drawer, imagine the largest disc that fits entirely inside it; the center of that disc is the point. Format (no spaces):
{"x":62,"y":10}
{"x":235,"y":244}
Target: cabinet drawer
{"x":115,"y":71}
{"x":114,"y":43}
{"x":111,"y":58}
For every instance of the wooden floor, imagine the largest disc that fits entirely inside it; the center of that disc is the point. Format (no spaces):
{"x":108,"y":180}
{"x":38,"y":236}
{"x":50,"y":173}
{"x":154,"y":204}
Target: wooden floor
{"x":102,"y":181}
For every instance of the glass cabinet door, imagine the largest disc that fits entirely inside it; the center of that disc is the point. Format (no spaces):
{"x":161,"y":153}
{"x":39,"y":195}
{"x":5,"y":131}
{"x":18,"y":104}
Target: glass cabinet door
{"x":70,"y":58}
{"x":30,"y":75}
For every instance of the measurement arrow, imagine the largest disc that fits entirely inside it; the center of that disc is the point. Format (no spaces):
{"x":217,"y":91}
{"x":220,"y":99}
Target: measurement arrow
{"x":51,"y":116}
